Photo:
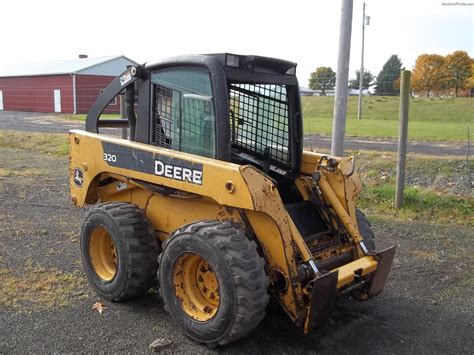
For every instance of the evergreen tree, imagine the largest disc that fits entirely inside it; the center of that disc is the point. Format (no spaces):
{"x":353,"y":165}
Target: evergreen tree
{"x":388,"y":76}
{"x":366,"y":82}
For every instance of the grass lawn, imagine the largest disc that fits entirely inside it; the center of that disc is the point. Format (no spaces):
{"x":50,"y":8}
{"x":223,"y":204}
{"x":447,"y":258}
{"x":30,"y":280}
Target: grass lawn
{"x":436,"y":188}
{"x":430,"y":118}
{"x":48,"y":143}
{"x":443,"y":119}
{"x":82,"y":116}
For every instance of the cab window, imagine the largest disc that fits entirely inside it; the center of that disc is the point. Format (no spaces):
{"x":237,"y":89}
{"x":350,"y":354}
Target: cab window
{"x":183,"y":112}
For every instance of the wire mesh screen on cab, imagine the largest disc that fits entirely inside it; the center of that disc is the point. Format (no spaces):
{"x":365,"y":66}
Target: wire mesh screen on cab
{"x":259,"y":120}
{"x":163,"y":117}
{"x":183,"y":121}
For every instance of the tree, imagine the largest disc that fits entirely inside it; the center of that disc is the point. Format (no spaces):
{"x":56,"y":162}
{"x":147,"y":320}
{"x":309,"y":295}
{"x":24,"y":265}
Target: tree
{"x":324,"y":78}
{"x":470,"y":81}
{"x":458,"y":70}
{"x":429,"y":73}
{"x":367,"y":81}
{"x":387,"y":77}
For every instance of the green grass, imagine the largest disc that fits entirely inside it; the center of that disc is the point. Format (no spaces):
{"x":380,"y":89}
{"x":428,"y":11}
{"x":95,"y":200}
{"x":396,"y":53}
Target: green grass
{"x":372,"y":164}
{"x":430,"y":118}
{"x":436,"y":189}
{"x":82,"y":116}
{"x":48,"y":143}
{"x":419,"y":203}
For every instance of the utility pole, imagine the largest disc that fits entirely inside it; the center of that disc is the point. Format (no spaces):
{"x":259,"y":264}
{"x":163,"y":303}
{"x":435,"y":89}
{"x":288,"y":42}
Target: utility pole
{"x":402,"y":136}
{"x":365,"y":21}
{"x":342,"y":75}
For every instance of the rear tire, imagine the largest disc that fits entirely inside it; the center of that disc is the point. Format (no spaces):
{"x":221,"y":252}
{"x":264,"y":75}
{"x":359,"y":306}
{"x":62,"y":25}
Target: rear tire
{"x":365,"y":229}
{"x":213,"y":282}
{"x":119,"y":250}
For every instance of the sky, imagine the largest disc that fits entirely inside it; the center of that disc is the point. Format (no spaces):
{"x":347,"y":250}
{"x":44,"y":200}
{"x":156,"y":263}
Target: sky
{"x":303,"y":31}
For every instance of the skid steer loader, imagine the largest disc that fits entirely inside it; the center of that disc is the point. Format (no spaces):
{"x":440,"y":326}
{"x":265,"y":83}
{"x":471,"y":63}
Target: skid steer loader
{"x":213,"y":200}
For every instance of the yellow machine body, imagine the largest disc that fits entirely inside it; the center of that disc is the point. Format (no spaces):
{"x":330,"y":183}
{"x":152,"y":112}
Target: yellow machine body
{"x":175,"y":188}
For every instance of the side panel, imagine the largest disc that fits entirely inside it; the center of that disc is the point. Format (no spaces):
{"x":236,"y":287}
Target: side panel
{"x":220,"y":181}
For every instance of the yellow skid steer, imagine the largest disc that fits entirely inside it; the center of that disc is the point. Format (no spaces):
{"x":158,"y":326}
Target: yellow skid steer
{"x":212,"y":199}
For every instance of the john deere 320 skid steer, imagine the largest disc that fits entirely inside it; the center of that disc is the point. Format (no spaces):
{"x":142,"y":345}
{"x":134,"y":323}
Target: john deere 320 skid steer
{"x":213,"y":200}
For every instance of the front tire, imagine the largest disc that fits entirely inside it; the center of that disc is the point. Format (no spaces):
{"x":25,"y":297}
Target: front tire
{"x":118,"y":250}
{"x":213,"y":282}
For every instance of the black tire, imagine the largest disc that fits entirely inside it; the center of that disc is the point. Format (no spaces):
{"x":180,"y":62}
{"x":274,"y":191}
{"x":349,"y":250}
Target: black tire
{"x":365,"y":229}
{"x":133,"y":268}
{"x":238,"y":269}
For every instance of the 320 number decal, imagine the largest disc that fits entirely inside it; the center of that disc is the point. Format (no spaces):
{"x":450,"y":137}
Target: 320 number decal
{"x":110,"y":157}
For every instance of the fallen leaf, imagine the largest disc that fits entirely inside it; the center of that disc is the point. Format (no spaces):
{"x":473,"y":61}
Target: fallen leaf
{"x":99,"y":306}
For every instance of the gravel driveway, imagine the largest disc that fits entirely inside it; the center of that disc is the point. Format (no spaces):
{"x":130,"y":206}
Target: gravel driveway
{"x":46,"y":304}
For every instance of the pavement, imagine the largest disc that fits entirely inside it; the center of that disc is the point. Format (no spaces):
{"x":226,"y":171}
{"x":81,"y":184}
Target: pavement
{"x":52,"y":123}
{"x":37,"y":122}
{"x":390,"y":145}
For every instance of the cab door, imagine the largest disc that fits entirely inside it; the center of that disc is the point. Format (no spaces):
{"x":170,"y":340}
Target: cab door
{"x":182,"y":111}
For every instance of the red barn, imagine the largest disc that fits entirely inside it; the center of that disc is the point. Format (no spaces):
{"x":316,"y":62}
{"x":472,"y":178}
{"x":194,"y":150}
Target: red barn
{"x":67,"y":86}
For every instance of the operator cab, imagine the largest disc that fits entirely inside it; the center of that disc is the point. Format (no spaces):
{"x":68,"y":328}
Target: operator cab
{"x":241,"y":109}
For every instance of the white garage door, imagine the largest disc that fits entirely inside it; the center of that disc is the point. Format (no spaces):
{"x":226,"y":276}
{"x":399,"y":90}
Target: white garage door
{"x":1,"y":100}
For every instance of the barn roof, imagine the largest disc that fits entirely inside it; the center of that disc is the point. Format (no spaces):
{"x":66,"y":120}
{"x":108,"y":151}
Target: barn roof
{"x":108,"y":65}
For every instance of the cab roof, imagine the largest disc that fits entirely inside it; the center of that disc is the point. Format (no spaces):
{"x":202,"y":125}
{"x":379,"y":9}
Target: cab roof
{"x":230,"y":61}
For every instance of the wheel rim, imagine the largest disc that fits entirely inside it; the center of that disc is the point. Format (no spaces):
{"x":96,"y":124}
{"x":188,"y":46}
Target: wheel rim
{"x":196,"y":286}
{"x":103,"y":254}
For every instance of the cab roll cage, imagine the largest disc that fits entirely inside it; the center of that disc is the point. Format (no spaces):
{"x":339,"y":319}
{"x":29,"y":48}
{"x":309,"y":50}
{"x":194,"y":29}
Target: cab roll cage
{"x":224,"y":68}
{"x":124,"y":82}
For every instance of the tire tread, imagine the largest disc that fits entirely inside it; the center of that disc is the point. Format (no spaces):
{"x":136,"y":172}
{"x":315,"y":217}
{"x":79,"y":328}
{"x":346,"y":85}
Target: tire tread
{"x":247,"y":267}
{"x":140,"y":245}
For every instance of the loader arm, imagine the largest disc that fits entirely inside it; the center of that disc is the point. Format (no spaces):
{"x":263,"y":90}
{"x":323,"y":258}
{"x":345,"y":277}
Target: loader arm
{"x":125,"y":82}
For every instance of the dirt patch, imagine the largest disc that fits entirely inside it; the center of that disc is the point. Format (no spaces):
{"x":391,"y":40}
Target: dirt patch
{"x":38,"y":287}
